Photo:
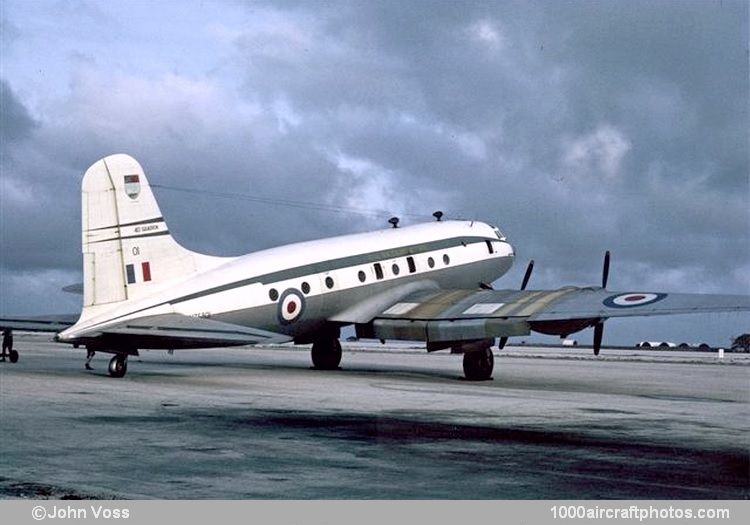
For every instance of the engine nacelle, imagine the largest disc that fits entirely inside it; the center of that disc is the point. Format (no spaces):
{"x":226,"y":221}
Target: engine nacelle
{"x":562,"y":328}
{"x":461,"y":347}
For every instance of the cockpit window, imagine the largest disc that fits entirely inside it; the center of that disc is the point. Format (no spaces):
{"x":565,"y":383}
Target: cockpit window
{"x":499,"y":234}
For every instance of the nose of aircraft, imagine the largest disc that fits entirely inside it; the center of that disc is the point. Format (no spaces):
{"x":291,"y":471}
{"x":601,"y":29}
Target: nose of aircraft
{"x":507,"y":250}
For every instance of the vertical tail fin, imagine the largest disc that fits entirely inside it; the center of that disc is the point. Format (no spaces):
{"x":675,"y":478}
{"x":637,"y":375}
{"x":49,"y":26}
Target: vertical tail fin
{"x":127,"y":247}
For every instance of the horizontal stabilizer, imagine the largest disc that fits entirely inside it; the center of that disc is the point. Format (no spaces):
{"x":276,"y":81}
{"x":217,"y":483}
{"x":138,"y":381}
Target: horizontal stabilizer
{"x":174,"y":331}
{"x":48,"y":323}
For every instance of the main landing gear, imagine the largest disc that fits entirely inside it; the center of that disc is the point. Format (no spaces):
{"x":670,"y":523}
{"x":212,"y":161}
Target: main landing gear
{"x":326,"y":352}
{"x":478,"y":364}
{"x":118,"y":365}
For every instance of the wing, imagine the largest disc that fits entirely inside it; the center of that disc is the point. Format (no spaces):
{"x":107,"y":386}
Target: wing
{"x":173,"y":331}
{"x":458,"y":315}
{"x":48,"y":323}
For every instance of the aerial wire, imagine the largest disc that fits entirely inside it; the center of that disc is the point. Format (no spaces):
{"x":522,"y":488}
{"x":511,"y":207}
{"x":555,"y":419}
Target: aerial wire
{"x":317,"y":206}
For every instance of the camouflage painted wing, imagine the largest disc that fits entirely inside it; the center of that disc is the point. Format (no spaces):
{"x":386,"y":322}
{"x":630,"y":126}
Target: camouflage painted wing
{"x":458,"y":315}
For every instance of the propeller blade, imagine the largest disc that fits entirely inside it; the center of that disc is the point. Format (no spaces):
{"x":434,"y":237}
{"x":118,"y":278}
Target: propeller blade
{"x":527,"y":275}
{"x":598,"y":334}
{"x":605,"y":270}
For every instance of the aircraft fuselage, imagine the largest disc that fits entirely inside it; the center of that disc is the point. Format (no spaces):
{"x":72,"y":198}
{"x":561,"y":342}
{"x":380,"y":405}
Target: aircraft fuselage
{"x":297,"y":288}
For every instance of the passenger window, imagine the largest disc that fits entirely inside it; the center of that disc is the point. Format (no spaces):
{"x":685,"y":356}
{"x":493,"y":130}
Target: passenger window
{"x":329,"y":282}
{"x":430,"y":262}
{"x":446,"y":259}
{"x":378,"y":271}
{"x":412,"y":266}
{"x":489,"y":247}
{"x":395,"y":269}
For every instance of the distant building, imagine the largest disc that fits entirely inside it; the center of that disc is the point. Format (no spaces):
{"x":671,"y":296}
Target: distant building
{"x":656,"y":344}
{"x":741,"y":343}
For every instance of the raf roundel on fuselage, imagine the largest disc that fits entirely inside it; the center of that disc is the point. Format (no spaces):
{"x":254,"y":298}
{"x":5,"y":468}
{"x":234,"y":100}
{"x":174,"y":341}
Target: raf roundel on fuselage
{"x":291,"y":306}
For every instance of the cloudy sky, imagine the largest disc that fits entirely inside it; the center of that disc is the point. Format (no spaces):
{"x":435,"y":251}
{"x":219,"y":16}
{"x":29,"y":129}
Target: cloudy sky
{"x":576,"y":126}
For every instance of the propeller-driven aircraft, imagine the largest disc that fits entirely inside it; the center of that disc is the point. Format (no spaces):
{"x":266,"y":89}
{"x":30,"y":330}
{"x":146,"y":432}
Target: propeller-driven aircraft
{"x":426,"y":282}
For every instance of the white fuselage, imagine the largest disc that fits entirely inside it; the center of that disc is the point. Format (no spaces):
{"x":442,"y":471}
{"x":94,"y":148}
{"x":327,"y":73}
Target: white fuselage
{"x":293,"y":289}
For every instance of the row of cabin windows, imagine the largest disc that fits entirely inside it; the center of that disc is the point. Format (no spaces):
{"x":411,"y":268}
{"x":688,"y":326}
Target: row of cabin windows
{"x":273,"y":294}
{"x":396,"y":269}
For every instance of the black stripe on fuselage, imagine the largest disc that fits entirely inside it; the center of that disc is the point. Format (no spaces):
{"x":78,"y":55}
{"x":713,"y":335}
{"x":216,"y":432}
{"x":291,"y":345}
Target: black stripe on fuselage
{"x":137,"y":223}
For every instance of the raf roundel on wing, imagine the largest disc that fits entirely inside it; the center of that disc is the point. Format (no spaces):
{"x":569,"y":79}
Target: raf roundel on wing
{"x":629,"y":300}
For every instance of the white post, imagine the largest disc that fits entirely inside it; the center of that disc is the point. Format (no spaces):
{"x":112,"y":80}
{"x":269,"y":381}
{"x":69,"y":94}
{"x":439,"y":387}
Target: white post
{"x":721,"y":353}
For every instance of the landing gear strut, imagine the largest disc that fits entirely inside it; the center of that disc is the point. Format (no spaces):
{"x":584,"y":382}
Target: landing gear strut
{"x":8,"y":346}
{"x":118,"y":365}
{"x":326,"y":353}
{"x":478,"y":364}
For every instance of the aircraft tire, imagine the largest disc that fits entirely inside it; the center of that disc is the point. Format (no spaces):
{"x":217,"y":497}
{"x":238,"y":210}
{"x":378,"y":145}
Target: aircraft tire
{"x":326,"y":354}
{"x":478,"y":365}
{"x":13,"y":355}
{"x":118,"y":365}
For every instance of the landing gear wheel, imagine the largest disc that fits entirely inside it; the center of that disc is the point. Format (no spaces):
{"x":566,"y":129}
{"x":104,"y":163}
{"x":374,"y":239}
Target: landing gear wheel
{"x":326,"y":354}
{"x":118,"y":365}
{"x":13,"y":355}
{"x":478,"y":365}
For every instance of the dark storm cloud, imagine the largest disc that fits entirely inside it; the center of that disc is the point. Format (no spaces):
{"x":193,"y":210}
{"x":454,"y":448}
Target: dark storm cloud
{"x":15,"y":121}
{"x":620,"y":115}
{"x":22,"y":225}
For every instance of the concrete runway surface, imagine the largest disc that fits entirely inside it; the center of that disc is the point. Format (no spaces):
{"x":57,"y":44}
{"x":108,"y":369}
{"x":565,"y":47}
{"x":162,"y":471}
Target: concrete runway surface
{"x":394,"y":423}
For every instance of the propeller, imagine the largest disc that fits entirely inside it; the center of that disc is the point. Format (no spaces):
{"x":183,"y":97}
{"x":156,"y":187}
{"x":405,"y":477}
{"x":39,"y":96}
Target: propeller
{"x":598,"y":334}
{"x":526,"y":277}
{"x":599,"y":326}
{"x":605,"y":269}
